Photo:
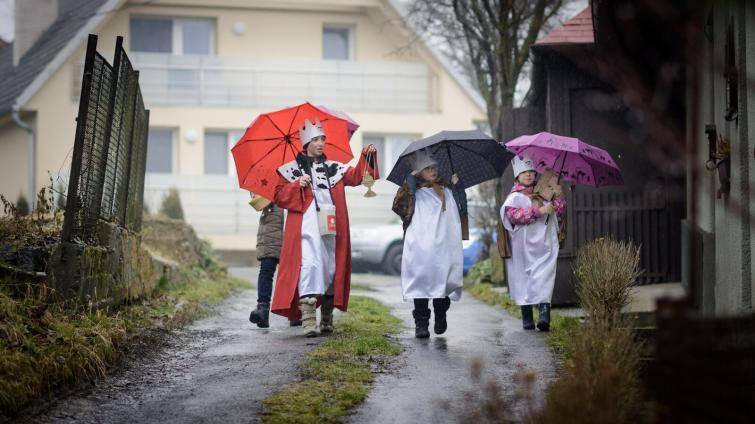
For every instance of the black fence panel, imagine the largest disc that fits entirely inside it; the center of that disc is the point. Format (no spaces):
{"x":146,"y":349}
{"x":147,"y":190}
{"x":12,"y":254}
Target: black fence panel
{"x":107,"y":168}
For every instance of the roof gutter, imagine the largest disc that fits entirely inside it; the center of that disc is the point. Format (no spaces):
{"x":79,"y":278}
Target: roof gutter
{"x":31,"y":155}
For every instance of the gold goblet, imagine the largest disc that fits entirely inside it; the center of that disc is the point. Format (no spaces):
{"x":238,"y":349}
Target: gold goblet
{"x":368,"y":181}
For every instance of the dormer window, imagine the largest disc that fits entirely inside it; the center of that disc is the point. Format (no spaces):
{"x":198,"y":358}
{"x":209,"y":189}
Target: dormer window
{"x":179,"y":36}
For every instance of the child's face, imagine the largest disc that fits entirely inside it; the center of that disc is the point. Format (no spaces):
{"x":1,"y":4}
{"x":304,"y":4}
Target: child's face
{"x":430,"y":173}
{"x":526,"y":178}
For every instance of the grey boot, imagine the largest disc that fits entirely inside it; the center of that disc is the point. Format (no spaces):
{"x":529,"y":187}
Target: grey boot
{"x":544,"y":320}
{"x":326,"y":318}
{"x":528,"y":322}
{"x":308,"y":307}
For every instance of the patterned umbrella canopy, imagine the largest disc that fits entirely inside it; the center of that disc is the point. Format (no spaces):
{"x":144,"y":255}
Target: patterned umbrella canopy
{"x":573,"y":159}
{"x":474,"y":156}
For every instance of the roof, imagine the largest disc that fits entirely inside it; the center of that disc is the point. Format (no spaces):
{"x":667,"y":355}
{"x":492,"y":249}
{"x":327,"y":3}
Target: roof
{"x":50,"y":50}
{"x":577,"y":30}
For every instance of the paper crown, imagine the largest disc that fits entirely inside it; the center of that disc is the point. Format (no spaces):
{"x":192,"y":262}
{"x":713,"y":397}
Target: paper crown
{"x":310,"y":131}
{"x":521,"y":164}
{"x":422,"y":159}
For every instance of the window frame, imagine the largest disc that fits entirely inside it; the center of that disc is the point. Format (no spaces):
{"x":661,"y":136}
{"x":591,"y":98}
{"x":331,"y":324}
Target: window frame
{"x":351,"y":45}
{"x":177,"y":23}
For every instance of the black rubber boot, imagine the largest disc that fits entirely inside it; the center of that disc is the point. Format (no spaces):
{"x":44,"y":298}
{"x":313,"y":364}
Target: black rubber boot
{"x":544,"y":320}
{"x":261,"y":315}
{"x":295,"y":323}
{"x":421,"y":323}
{"x":528,"y":322}
{"x":440,"y":307}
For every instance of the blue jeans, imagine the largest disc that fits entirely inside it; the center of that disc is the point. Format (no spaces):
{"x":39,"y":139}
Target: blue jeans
{"x":265,"y":279}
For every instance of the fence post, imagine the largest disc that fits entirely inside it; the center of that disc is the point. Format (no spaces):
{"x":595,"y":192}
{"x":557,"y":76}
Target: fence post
{"x":72,"y":198}
{"x":130,"y":139}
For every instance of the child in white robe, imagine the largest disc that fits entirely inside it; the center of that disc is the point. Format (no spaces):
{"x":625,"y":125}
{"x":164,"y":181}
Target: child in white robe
{"x":534,"y":239}
{"x":432,"y":260}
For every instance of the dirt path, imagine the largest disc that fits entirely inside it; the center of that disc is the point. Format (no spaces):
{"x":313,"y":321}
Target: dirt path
{"x":438,"y":369}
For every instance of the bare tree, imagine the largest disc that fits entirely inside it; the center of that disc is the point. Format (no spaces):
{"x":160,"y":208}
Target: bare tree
{"x":489,"y":39}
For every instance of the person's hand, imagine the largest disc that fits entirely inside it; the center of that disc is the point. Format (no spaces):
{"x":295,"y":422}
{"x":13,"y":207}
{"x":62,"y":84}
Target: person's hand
{"x":371,"y":149}
{"x":546,"y":209}
{"x":454,"y":179}
{"x":304,"y":180}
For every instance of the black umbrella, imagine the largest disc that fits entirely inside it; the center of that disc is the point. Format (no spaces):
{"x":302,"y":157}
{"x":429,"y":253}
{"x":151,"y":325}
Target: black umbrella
{"x":472,"y":155}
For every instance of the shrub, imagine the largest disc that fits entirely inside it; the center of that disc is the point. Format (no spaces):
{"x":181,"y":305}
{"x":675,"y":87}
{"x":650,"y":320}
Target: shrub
{"x":22,"y":206}
{"x":606,"y":270}
{"x":171,"y":205}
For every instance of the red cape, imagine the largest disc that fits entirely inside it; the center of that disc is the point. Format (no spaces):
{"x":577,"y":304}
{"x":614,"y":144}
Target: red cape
{"x":290,"y":195}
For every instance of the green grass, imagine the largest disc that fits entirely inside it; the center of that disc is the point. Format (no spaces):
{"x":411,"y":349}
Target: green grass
{"x":44,"y":347}
{"x":363,"y":287}
{"x":338,"y":373}
{"x":561,"y":329}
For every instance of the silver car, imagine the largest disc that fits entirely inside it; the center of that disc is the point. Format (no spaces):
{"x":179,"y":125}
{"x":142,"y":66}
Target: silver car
{"x":378,"y":245}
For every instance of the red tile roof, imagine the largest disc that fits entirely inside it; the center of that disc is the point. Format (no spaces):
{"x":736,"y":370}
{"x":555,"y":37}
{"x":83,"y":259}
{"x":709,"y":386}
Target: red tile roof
{"x":577,"y":30}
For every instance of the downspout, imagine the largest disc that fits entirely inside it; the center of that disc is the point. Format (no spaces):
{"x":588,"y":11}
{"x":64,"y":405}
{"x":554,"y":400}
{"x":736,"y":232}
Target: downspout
{"x":31,"y":157}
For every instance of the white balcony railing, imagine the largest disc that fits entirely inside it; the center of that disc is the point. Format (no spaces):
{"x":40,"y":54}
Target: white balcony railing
{"x":396,"y":87}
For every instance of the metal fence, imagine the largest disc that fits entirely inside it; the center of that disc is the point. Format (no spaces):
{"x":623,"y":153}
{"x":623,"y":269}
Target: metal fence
{"x":110,"y":149}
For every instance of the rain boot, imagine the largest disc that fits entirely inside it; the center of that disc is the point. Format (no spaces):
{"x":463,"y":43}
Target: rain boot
{"x":440,"y":307}
{"x":544,"y":319}
{"x":295,"y":323}
{"x":528,"y":322}
{"x":421,"y":323}
{"x":261,"y":315}
{"x":326,"y":317}
{"x":308,"y":307}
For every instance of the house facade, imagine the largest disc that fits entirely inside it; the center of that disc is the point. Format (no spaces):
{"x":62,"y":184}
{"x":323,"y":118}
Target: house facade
{"x":206,"y":70}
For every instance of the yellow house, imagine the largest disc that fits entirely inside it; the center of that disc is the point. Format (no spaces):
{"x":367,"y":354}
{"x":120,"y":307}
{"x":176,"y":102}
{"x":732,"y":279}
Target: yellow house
{"x":207,"y":68}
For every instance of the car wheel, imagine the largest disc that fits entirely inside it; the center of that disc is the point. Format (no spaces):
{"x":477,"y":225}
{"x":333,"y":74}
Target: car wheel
{"x":392,"y":260}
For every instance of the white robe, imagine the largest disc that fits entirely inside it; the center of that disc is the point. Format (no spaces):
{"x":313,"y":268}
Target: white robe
{"x":318,"y":253}
{"x":433,"y":259}
{"x":531,"y":269}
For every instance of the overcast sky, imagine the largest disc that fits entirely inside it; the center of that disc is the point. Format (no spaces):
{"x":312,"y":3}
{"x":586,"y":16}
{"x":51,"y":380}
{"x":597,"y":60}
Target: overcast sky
{"x":6,"y":20}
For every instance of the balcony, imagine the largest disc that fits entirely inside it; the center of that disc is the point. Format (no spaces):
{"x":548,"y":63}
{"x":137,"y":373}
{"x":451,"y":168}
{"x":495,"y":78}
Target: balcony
{"x":391,"y":87}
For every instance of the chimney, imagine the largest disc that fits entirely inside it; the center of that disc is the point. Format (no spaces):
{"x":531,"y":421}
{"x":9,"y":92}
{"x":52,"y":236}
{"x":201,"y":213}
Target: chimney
{"x":32,"y":17}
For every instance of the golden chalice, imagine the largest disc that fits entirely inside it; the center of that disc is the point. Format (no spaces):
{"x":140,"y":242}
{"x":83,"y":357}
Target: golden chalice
{"x":368,"y":181}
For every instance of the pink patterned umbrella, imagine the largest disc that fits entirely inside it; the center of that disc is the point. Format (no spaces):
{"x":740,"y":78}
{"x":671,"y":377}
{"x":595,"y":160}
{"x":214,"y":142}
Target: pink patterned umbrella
{"x":572,"y":158}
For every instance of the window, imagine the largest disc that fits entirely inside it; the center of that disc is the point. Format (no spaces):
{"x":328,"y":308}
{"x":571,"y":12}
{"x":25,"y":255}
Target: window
{"x":336,"y":43}
{"x":216,"y":153}
{"x":389,"y":148}
{"x":160,"y":151}
{"x":172,"y":35}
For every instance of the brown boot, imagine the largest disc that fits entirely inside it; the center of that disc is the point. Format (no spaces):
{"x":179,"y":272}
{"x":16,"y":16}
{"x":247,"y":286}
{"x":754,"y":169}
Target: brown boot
{"x":308,"y":316}
{"x":326,"y":319}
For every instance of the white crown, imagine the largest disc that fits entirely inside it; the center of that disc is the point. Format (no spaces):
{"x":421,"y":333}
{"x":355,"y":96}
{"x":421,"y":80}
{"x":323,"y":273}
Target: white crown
{"x":310,"y":131}
{"x":521,"y":164}
{"x":422,"y":159}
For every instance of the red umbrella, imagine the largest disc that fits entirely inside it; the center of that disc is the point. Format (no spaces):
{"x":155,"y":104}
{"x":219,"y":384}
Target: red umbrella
{"x":272,"y":139}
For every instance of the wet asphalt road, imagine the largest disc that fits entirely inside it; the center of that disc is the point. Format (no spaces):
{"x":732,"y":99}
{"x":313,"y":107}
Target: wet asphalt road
{"x":436,"y":370}
{"x":220,"y":368}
